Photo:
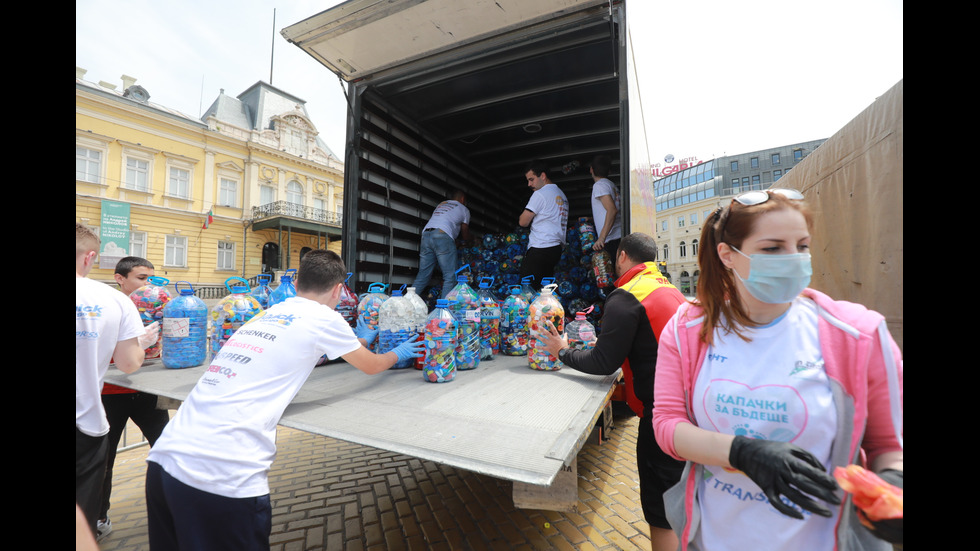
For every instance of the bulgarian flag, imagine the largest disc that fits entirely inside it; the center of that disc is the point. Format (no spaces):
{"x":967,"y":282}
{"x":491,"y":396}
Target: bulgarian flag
{"x":209,"y":219}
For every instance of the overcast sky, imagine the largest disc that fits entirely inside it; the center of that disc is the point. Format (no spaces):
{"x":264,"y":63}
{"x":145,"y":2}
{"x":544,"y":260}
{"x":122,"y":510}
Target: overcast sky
{"x":717,"y":77}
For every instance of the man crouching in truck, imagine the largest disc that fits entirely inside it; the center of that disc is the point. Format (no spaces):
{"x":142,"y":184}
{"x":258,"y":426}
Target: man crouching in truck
{"x":207,"y":481}
{"x":633,"y":317}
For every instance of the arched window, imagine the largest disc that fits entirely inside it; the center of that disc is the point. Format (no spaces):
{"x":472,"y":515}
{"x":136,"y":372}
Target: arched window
{"x":683,"y":249}
{"x":294,"y":193}
{"x":666,"y":250}
{"x":694,"y":247}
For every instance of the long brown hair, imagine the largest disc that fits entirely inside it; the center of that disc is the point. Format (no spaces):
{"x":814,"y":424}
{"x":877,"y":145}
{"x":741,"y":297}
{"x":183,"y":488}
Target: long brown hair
{"x":717,"y":294}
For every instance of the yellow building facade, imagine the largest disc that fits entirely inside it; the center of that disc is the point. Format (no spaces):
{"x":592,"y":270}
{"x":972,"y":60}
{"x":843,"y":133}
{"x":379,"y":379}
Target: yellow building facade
{"x":246,"y":189}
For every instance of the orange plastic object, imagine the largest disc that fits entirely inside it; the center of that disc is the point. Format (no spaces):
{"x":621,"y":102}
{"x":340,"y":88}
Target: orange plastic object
{"x":873,"y":496}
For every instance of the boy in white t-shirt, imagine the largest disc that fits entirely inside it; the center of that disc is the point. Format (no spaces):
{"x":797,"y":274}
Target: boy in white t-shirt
{"x":605,"y":206}
{"x":547,"y":215}
{"x":207,"y":476}
{"x":107,"y":326}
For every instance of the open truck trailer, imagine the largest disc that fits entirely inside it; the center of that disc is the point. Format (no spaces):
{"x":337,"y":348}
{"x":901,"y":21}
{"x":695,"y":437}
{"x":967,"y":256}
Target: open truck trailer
{"x":445,"y":94}
{"x":464,"y":94}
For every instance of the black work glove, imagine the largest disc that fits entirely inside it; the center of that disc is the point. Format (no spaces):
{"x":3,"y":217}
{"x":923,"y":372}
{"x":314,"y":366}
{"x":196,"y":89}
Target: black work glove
{"x":783,"y":469}
{"x":888,"y":529}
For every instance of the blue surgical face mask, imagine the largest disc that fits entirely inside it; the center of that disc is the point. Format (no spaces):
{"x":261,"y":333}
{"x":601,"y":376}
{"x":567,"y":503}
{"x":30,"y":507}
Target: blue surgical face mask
{"x":776,"y":278}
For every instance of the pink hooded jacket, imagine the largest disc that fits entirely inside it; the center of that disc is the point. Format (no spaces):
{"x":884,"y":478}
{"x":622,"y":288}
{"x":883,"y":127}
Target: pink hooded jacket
{"x":864,"y":366}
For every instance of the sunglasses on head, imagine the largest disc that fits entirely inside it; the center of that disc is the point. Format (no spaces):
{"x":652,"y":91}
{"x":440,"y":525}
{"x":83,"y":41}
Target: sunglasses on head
{"x":752,"y":198}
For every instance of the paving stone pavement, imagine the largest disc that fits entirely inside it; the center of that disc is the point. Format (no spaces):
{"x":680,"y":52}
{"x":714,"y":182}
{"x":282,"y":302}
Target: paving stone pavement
{"x":334,"y":495}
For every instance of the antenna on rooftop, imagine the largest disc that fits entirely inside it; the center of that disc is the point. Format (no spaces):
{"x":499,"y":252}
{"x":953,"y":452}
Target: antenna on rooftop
{"x":272,"y":55}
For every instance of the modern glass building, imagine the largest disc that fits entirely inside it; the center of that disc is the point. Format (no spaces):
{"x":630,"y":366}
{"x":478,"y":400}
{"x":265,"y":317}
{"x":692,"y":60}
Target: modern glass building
{"x":686,"y":198}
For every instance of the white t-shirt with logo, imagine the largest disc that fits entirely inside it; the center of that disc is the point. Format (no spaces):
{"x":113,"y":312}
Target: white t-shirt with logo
{"x":104,"y":317}
{"x":550,"y":208}
{"x":448,"y":216}
{"x":223,"y":438}
{"x":775,"y":388}
{"x":601,"y":188}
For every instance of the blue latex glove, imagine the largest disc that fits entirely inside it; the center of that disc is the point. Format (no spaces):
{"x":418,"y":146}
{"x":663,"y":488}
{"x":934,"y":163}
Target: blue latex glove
{"x":410,"y":349}
{"x":365,"y":332}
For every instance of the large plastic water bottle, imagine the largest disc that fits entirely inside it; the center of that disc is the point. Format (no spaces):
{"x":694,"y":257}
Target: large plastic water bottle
{"x":150,"y":300}
{"x":527,"y":288}
{"x":489,"y":320}
{"x":396,"y":324}
{"x":544,"y":308}
{"x":420,"y":312}
{"x":603,"y":268}
{"x":513,"y":324}
{"x":347,"y":305}
{"x":369,"y":306}
{"x":580,"y":333}
{"x":231,"y":312}
{"x":184,"y":330}
{"x":285,"y":289}
{"x":465,"y":305}
{"x":441,"y":331}
{"x":261,"y":292}
{"x":587,"y":235}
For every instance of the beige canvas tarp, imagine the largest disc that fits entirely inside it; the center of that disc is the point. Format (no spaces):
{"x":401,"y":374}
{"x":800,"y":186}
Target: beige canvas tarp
{"x":853,"y":182}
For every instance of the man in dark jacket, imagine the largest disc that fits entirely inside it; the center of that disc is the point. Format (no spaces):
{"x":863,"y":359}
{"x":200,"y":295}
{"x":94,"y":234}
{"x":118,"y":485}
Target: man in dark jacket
{"x":634,"y":316}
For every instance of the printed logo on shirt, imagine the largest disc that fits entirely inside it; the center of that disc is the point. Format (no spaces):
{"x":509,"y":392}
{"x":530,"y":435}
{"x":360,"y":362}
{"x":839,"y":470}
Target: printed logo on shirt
{"x":775,"y":412}
{"x":806,"y":367}
{"x":278,"y":319}
{"x":85,"y":311}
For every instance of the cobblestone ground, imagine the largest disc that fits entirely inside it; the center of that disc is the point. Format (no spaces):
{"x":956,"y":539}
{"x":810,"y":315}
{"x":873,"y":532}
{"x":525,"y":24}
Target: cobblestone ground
{"x":330,"y":494}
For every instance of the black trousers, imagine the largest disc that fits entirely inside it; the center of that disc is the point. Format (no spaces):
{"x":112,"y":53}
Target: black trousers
{"x":90,"y":458}
{"x":540,"y":263}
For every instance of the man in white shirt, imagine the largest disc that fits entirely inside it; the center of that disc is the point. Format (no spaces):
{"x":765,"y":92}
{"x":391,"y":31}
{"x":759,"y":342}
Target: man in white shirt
{"x":605,"y":206}
{"x":547,"y":215}
{"x":107,"y":326}
{"x":207,"y":484}
{"x":450,"y":220}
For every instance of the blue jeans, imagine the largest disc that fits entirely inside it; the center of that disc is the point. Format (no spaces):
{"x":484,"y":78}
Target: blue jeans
{"x":437,"y":247}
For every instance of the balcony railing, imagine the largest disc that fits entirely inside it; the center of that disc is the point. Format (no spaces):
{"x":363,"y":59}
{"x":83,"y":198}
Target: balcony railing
{"x":284,"y":208}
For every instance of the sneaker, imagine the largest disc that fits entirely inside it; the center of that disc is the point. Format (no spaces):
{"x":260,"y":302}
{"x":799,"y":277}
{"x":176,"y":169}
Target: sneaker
{"x":102,"y":529}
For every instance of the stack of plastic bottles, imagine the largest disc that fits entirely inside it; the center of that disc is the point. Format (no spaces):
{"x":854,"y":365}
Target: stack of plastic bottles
{"x":368,"y":307}
{"x":489,"y":320}
{"x":150,"y":300}
{"x":396,"y":324}
{"x":465,"y":305}
{"x":184,"y":330}
{"x":500,"y":256}
{"x":231,"y":312}
{"x":439,"y":365}
{"x":545,"y":308}
{"x":581,"y":334}
{"x":347,"y":306}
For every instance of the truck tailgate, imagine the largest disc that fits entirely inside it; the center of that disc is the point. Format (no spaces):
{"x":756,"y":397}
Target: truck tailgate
{"x":502,"y":419}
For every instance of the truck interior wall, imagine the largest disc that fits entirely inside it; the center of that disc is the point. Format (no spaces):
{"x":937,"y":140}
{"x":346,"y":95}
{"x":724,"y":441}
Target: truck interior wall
{"x":854,"y":184}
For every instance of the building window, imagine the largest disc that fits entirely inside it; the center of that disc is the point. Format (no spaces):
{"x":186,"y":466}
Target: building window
{"x":776,"y":174}
{"x":180,"y":183}
{"x":137,"y":174}
{"x":683,"y":249}
{"x":734,"y":166}
{"x":294,"y":193}
{"x":228,"y":193}
{"x":754,"y":162}
{"x":226,"y":255}
{"x":88,"y":164}
{"x":680,"y":221}
{"x":797,"y":155}
{"x":775,"y":159}
{"x":175,"y":251}
{"x":663,"y":225}
{"x":756,"y":182}
{"x":137,"y":243}
{"x":694,"y":247}
{"x":694,"y":218}
{"x":666,"y":250}
{"x":267,"y":194}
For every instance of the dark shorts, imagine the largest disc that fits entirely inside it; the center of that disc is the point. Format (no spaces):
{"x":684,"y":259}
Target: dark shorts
{"x":658,"y":472}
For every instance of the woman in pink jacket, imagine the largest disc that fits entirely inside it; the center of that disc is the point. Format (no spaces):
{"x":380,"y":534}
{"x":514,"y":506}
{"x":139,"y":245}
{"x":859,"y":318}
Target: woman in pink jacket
{"x":764,"y":386}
